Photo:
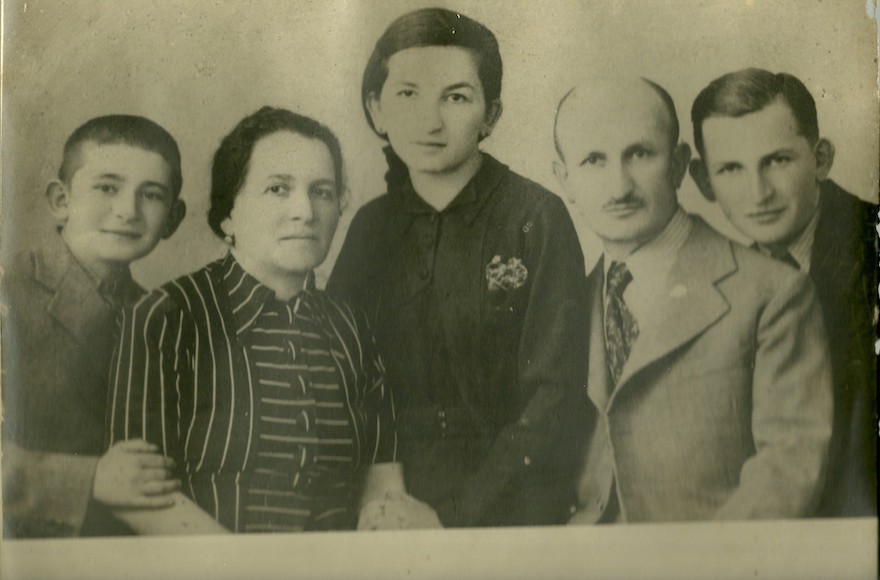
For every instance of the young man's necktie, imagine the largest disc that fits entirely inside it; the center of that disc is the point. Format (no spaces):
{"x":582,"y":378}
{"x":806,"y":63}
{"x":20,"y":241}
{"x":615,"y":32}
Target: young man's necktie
{"x":621,"y":328}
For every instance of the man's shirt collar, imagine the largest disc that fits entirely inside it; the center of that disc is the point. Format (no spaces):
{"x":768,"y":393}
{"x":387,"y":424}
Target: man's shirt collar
{"x":801,"y":248}
{"x":654,"y":259}
{"x":650,"y":265}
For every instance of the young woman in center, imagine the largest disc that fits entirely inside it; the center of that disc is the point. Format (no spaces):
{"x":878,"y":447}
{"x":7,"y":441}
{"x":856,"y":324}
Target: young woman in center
{"x":471,"y":276}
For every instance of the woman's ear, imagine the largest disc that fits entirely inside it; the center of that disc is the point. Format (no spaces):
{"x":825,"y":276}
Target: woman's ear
{"x":701,"y":178}
{"x":374,"y":107}
{"x":174,"y":217}
{"x":824,"y":150}
{"x":58,"y":197}
{"x":493,"y":113}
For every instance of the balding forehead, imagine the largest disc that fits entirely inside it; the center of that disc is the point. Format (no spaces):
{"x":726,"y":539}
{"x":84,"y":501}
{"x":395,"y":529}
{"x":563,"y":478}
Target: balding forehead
{"x":603,"y":100}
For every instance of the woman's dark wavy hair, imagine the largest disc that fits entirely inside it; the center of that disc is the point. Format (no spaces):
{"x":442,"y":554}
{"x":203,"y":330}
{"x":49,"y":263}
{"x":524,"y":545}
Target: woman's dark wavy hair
{"x":430,"y":27}
{"x":233,"y":157}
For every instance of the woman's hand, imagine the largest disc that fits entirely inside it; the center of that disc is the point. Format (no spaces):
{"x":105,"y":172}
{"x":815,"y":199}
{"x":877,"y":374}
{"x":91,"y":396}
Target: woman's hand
{"x":397,"y":510}
{"x":132,"y":474}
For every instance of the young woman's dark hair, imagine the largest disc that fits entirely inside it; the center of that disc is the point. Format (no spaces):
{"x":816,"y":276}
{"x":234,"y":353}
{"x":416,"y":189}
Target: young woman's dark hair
{"x":430,"y":27}
{"x":231,"y":160}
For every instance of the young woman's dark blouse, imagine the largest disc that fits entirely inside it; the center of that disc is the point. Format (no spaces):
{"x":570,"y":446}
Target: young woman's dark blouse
{"x":488,"y":380}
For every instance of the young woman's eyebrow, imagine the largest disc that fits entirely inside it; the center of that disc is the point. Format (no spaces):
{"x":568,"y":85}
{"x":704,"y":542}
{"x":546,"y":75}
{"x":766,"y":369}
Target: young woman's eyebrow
{"x":113,"y":176}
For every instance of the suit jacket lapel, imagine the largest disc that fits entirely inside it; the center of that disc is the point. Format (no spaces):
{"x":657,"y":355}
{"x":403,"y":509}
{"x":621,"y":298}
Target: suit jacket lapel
{"x":598,"y":380}
{"x":689,"y":302}
{"x":75,"y":304}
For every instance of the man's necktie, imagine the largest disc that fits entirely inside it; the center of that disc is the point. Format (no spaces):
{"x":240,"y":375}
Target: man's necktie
{"x":621,"y":328}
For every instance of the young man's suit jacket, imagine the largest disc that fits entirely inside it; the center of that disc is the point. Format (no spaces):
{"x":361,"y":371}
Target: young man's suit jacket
{"x":57,"y":341}
{"x":843,"y":267}
{"x":723,"y":412}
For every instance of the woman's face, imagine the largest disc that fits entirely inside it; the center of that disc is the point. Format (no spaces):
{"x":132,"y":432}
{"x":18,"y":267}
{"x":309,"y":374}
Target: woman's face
{"x":287,"y":209}
{"x":432,"y":108}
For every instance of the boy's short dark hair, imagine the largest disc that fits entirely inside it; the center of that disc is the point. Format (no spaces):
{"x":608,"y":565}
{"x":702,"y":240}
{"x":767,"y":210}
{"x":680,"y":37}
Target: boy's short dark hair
{"x":232,"y":158}
{"x":750,"y":90}
{"x":126,"y":129}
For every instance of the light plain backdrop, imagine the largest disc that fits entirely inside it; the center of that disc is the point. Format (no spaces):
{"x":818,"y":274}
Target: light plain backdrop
{"x":198,"y":66}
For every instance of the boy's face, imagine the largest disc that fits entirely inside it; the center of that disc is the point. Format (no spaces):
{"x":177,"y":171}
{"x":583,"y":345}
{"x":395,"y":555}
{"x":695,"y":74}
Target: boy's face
{"x":116,"y":207}
{"x":762,"y":172}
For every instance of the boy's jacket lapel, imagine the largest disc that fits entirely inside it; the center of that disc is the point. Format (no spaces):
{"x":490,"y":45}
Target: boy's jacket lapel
{"x":75,"y":303}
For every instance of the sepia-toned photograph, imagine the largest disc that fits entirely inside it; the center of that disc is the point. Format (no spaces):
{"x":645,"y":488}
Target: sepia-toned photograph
{"x":477,"y":289}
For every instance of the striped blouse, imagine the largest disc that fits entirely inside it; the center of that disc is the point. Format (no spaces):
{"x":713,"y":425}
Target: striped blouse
{"x":271,"y":409}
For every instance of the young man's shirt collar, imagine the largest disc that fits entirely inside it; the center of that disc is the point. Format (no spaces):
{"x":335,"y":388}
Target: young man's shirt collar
{"x":651,"y":263}
{"x":801,"y":248}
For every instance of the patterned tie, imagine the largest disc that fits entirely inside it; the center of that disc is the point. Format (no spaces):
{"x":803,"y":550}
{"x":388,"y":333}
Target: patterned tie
{"x":621,"y":328}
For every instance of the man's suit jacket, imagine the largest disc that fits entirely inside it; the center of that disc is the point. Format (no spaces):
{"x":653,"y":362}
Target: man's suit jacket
{"x":57,"y":336}
{"x":843,"y":266}
{"x":724,"y":409}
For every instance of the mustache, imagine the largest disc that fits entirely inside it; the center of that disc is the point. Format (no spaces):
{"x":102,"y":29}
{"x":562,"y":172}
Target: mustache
{"x":628,"y":200}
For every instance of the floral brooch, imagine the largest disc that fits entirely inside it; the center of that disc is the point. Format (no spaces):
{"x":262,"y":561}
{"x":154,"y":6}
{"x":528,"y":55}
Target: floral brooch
{"x":505,"y":276}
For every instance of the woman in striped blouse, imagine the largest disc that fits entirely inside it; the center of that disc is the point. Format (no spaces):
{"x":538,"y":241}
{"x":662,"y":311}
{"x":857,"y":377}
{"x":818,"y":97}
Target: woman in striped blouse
{"x":268,"y":393}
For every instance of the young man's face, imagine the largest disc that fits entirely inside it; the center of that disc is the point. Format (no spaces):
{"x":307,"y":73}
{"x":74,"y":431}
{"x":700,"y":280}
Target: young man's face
{"x":621,"y":169}
{"x":117,"y":205}
{"x":762,"y":172}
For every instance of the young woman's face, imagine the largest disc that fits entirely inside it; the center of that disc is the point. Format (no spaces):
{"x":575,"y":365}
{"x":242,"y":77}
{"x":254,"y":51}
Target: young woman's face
{"x":287,"y":209}
{"x":432,"y":108}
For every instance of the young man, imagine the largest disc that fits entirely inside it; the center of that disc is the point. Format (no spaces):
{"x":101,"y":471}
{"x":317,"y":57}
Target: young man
{"x":115,"y":197}
{"x":764,"y":162}
{"x":712,"y":394}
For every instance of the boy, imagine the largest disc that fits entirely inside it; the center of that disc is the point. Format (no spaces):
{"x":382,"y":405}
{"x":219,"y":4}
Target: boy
{"x":115,"y":197}
{"x":763,"y":160}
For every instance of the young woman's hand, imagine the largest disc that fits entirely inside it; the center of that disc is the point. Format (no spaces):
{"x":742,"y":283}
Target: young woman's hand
{"x":132,"y":474}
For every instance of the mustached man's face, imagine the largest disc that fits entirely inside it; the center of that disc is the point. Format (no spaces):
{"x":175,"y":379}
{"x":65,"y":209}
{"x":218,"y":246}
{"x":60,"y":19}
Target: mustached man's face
{"x":621,"y":169}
